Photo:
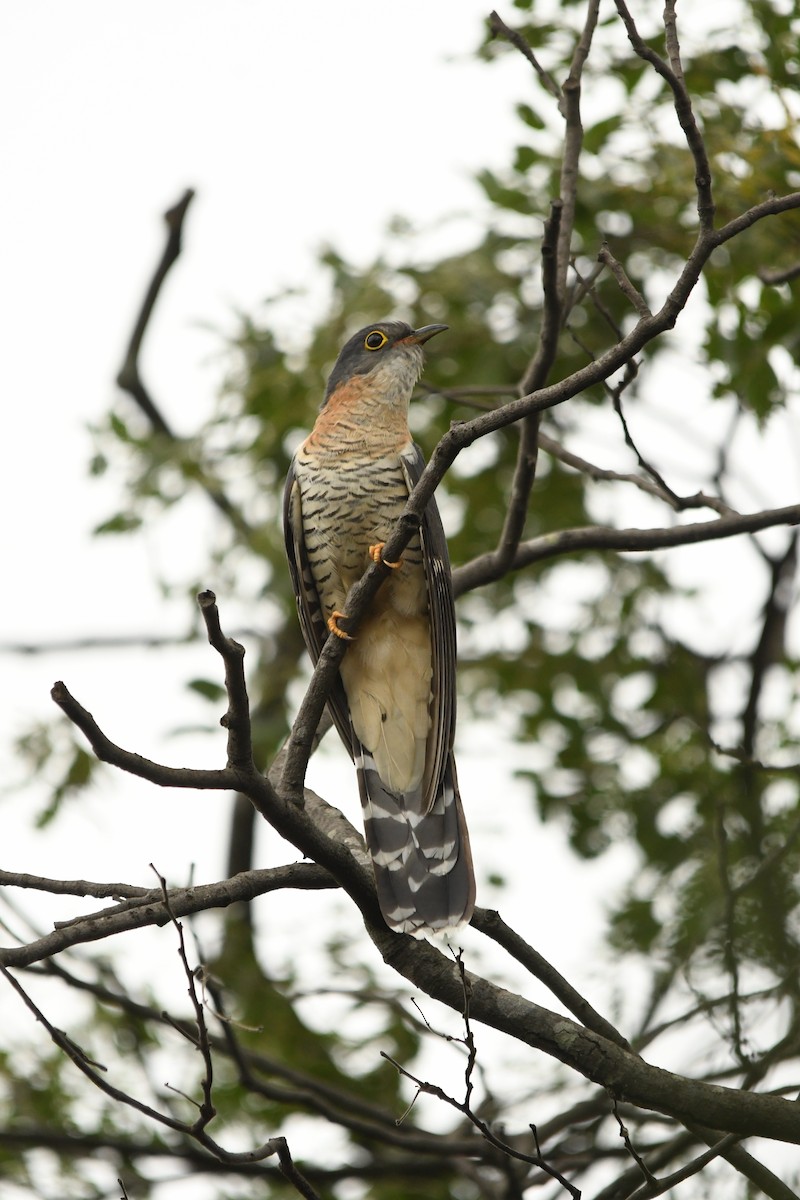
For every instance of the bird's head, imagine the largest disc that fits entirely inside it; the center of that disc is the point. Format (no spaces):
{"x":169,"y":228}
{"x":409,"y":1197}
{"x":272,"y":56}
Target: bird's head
{"x":388,"y":351}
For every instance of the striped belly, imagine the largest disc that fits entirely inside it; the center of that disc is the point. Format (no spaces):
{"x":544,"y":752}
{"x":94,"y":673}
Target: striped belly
{"x":348,"y":507}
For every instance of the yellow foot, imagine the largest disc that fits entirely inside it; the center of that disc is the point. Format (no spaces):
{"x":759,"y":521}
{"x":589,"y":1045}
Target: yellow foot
{"x":375,"y":554}
{"x":333,"y":625}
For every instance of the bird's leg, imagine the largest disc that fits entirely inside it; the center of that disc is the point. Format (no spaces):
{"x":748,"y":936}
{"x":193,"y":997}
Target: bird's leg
{"x":375,"y":554}
{"x":333,"y":626}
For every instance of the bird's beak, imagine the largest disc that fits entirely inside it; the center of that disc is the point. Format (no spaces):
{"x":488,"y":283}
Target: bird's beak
{"x":419,"y":336}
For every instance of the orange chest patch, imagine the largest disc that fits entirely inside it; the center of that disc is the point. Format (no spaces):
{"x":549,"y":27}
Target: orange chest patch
{"x":356,"y":418}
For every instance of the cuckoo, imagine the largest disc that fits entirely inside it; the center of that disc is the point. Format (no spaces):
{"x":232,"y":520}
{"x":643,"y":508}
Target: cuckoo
{"x":394,"y":703}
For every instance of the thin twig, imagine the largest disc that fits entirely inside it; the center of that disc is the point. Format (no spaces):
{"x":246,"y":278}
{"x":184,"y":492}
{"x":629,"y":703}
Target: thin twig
{"x":535,"y":376}
{"x":673,"y":75}
{"x":129,"y":376}
{"x":637,"y":1158}
{"x":95,"y":1075}
{"x":148,"y":910}
{"x":206,"y":1109}
{"x":678,"y":503}
{"x":492,"y":925}
{"x":499,"y":28}
{"x":625,"y":286}
{"x":463,"y":1107}
{"x":641,"y":460}
{"x":237,"y":719}
{"x":573,"y":144}
{"x":598,"y":537}
{"x":298,"y":1089}
{"x":776,"y":276}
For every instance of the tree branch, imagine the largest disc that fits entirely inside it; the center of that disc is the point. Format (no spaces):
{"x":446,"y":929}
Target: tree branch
{"x":237,"y":719}
{"x":498,"y":28}
{"x":108,"y":752}
{"x":94,"y":1073}
{"x":779,"y":275}
{"x":129,"y":377}
{"x":598,"y":537}
{"x":673,"y":75}
{"x":148,"y":909}
{"x":602,"y":474}
{"x":587,"y":1052}
{"x":631,"y":293}
{"x":573,"y":144}
{"x":535,"y":376}
{"x":493,"y":926}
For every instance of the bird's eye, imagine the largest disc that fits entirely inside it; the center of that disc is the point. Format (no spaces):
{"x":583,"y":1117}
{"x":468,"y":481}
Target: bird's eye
{"x":374,"y":340}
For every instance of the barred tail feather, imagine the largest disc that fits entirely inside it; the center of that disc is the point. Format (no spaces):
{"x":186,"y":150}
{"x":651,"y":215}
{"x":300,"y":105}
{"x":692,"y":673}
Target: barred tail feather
{"x":422,"y":859}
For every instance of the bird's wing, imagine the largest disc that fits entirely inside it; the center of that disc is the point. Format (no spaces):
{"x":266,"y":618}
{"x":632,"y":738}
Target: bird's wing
{"x":436,"y":562}
{"x":315,"y":631}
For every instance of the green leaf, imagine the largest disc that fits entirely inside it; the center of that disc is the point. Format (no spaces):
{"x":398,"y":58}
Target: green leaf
{"x":207,"y":688}
{"x":121,"y":523}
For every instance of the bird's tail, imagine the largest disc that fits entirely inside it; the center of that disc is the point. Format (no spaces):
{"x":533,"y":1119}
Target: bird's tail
{"x":421,"y":858}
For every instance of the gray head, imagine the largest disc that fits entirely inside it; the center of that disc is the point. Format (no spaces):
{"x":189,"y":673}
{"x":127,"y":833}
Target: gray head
{"x":380,"y":345}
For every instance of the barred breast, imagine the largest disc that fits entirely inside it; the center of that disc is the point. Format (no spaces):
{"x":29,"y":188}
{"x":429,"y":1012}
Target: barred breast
{"x":349,"y":504}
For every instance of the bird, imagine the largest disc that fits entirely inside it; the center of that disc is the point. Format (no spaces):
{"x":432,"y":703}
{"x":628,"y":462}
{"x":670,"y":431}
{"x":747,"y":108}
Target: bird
{"x":394,"y":703}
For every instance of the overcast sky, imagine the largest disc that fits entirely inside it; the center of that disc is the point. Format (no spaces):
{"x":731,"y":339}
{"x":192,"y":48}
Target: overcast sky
{"x":298,"y":124}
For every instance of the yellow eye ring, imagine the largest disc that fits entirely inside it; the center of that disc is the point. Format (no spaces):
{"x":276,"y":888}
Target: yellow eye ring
{"x":375,"y":340}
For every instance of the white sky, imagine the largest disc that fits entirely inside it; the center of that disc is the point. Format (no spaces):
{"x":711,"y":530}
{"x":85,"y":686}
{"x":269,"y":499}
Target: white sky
{"x":297,"y":124}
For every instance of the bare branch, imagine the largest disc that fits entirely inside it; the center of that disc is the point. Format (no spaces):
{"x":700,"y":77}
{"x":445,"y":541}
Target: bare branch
{"x":535,"y":376}
{"x":129,"y":378}
{"x":650,"y":1179}
{"x":237,"y":718}
{"x":778,"y":276}
{"x":135,"y":764}
{"x":745,"y":1163}
{"x":71,"y":887}
{"x":148,"y":909}
{"x":584,"y":1050}
{"x":678,"y":503}
{"x":673,"y":75}
{"x":492,"y":925}
{"x":299,"y":1089}
{"x":206,"y":1109}
{"x":599,"y":537}
{"x":646,"y":466}
{"x":573,"y":143}
{"x":625,"y":286}
{"x":84,"y":1063}
{"x":95,"y":1075}
{"x":646,"y":329}
{"x":290,"y":1171}
{"x":499,"y":28}
{"x":541,"y":364}
{"x":463,"y":1107}
{"x":284,"y":812}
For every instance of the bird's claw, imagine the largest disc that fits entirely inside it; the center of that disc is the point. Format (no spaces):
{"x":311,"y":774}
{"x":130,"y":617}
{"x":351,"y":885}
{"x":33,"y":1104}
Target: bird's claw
{"x":333,"y":626}
{"x":375,"y":553}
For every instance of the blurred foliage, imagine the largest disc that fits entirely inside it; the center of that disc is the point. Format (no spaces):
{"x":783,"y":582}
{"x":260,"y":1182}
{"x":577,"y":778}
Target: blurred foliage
{"x":616,"y":710}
